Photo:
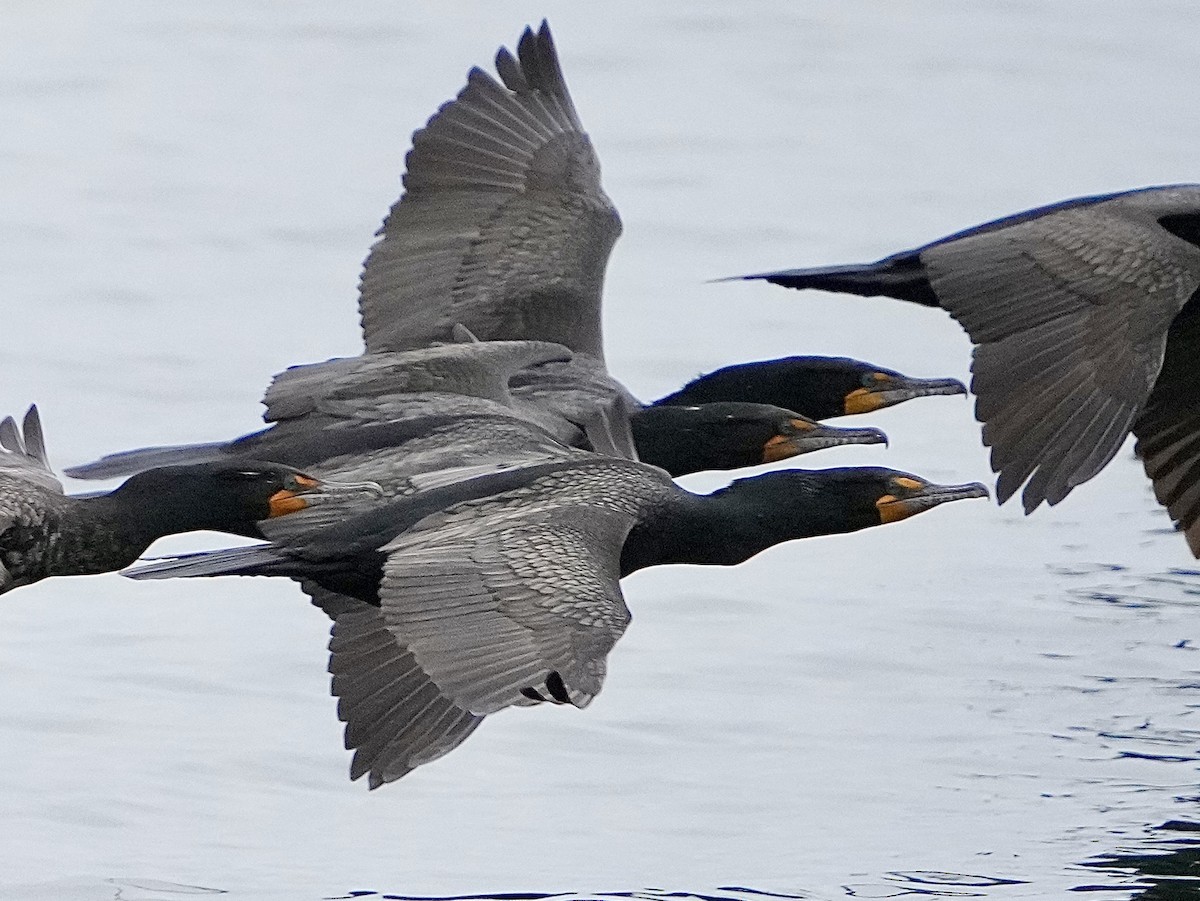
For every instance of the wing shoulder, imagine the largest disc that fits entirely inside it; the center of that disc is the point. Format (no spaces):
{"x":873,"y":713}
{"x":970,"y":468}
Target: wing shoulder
{"x":511,"y":606}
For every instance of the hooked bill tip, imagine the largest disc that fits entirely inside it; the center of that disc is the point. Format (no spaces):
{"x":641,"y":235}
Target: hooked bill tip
{"x":971,"y":489}
{"x":341,"y":490}
{"x":839,"y":435}
{"x":939,"y":386}
{"x":897,"y":391}
{"x":858,"y":436}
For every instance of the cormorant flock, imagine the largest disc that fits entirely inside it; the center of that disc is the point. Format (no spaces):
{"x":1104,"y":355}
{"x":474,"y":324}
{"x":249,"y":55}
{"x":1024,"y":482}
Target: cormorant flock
{"x":463,"y":498}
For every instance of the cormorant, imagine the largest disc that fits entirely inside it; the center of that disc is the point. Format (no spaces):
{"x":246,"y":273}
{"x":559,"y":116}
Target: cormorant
{"x":502,"y":590}
{"x":450,"y":405}
{"x":817,"y":387}
{"x":46,"y":533}
{"x":1086,"y":323}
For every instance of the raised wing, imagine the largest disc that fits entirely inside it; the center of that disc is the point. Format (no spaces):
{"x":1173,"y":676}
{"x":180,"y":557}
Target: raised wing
{"x":23,"y":452}
{"x":504,"y":226}
{"x":1070,"y":313}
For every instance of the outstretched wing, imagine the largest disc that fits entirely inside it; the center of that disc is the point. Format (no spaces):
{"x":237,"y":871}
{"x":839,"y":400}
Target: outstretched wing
{"x":396,"y":719}
{"x":507,"y":609}
{"x":504,"y":226}
{"x":1070,"y":312}
{"x":361,"y":404}
{"x":522,"y":604}
{"x":342,"y":386}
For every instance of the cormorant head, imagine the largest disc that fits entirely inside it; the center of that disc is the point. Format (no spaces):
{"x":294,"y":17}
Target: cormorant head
{"x":901,"y":495}
{"x":753,"y":514}
{"x":818,"y":387}
{"x":864,"y":388}
{"x":697,"y":437}
{"x":830,"y":501}
{"x":225,"y":497}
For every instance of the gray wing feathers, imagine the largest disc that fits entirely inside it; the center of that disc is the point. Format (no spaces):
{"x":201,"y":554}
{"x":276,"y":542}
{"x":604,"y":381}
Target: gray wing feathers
{"x":127,"y":463}
{"x":503,"y":226}
{"x":608,"y":429}
{"x":1174,"y":467}
{"x":478,"y":369}
{"x":35,"y":441}
{"x":396,"y":718}
{"x":23,"y":452}
{"x":1168,"y":429}
{"x":454,"y":379}
{"x":457,"y":379}
{"x":496,"y":608}
{"x":1070,"y":312}
{"x":582,"y":392}
{"x":426,"y":481}
{"x":1052,"y":423}
{"x":451,"y":456}
{"x":1172,"y":461}
{"x":237,"y":561}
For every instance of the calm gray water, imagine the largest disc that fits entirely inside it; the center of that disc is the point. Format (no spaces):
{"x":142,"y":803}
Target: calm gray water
{"x":970,"y":703}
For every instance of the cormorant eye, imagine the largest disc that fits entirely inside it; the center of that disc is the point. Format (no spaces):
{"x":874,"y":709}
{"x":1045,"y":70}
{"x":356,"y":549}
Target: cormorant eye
{"x":874,"y":379}
{"x":248,"y":475}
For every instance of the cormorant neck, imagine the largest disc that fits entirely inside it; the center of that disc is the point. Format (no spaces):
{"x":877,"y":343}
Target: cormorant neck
{"x":148,"y":507}
{"x":106,"y":532}
{"x":735,"y":523}
{"x":681,"y":440}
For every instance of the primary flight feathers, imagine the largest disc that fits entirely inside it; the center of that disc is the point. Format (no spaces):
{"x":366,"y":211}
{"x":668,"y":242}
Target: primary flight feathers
{"x":1086,"y":326}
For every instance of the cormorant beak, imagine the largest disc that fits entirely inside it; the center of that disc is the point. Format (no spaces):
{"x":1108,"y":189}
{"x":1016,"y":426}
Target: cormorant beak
{"x":803,"y":436}
{"x":289,"y":500}
{"x":889,"y":390}
{"x":305,"y":491}
{"x":921,"y":496}
{"x":285,"y":501}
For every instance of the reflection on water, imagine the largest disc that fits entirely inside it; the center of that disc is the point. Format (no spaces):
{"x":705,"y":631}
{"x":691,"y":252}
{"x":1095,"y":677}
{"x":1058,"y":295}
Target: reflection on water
{"x":1126,"y":586}
{"x":150,"y":889}
{"x":917,"y":883}
{"x":1169,"y":870}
